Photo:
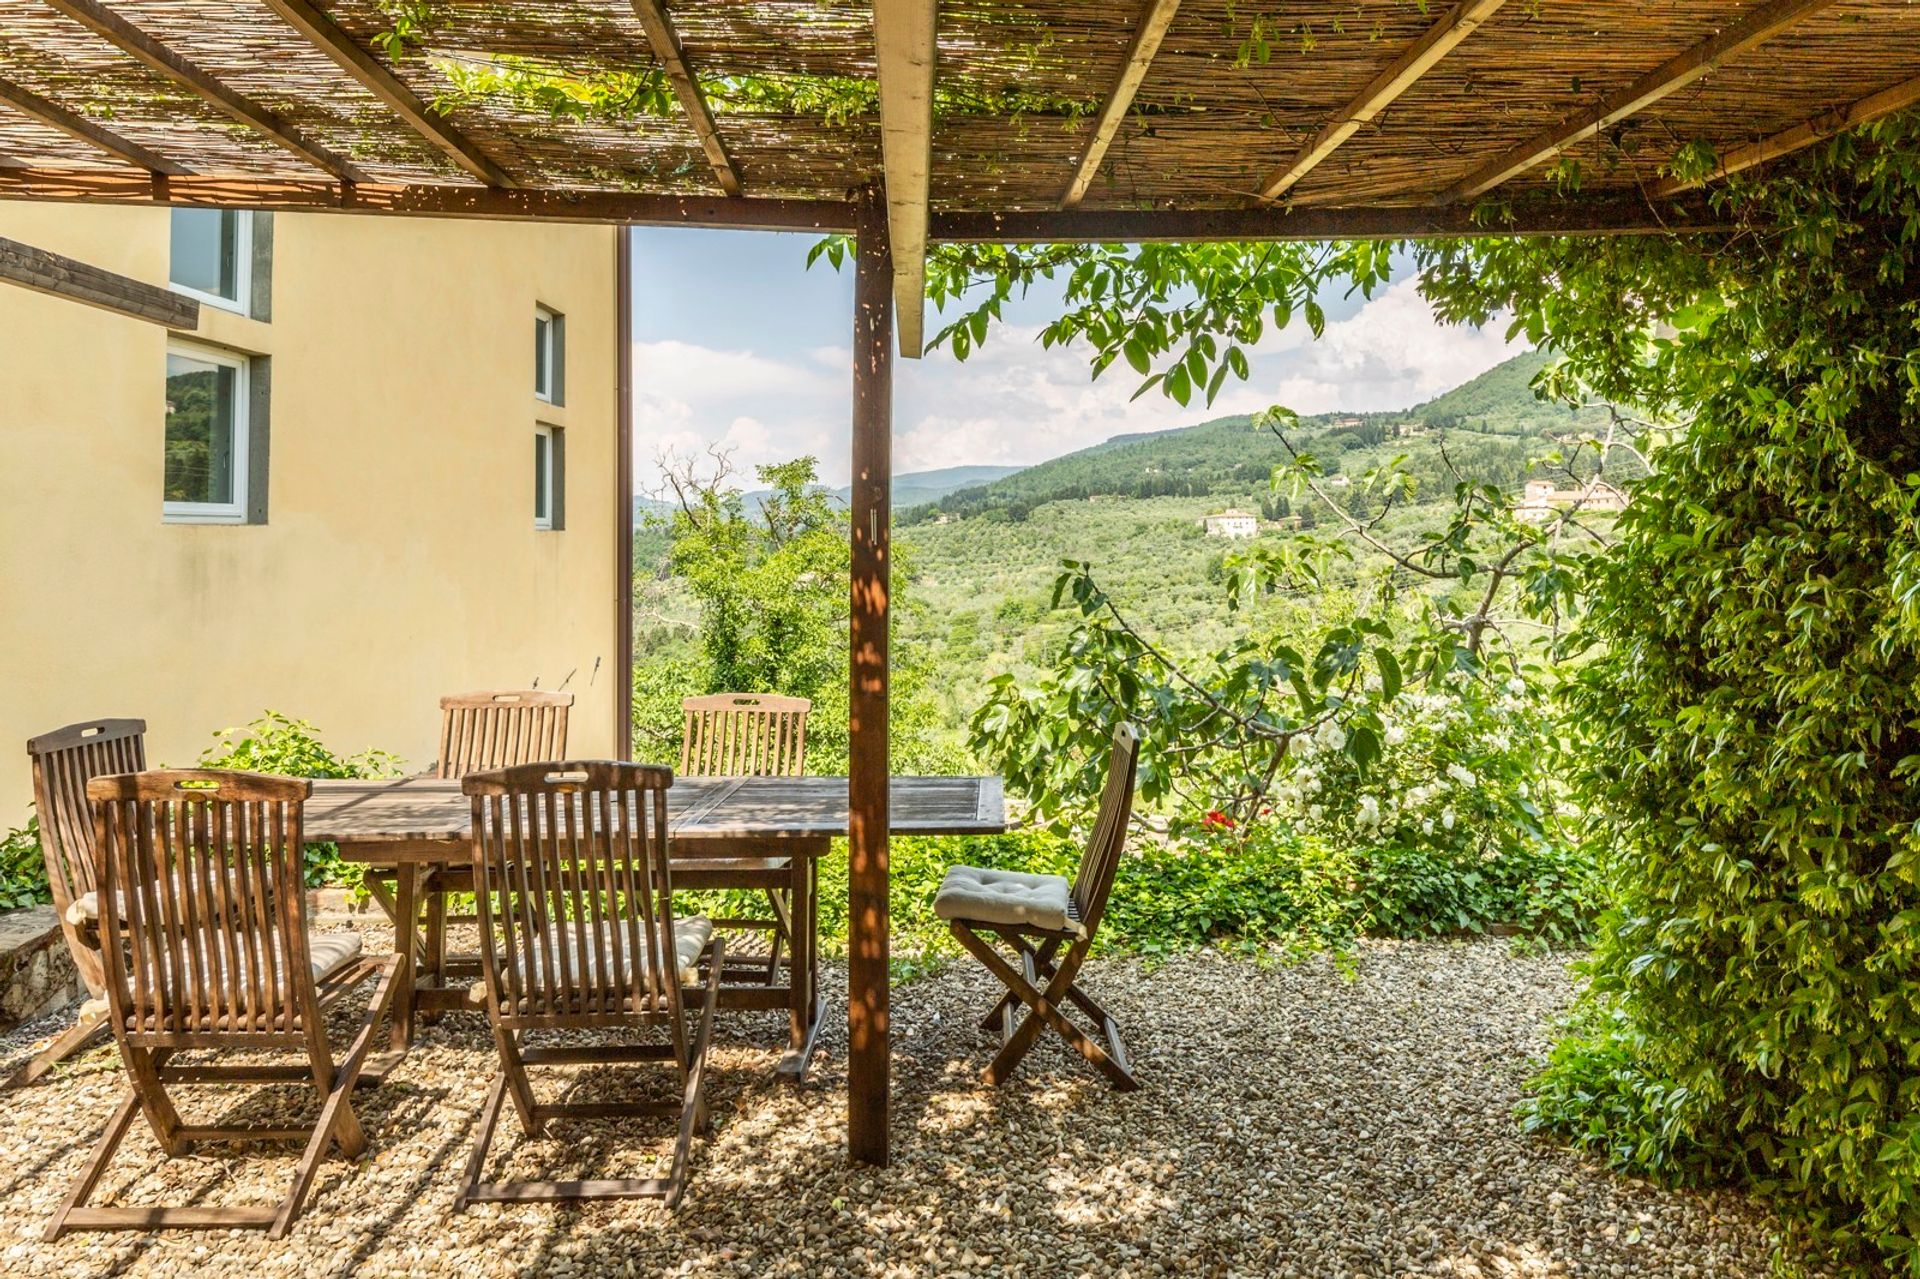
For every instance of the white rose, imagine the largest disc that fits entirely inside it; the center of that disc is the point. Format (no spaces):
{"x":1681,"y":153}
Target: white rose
{"x":1461,"y":774}
{"x":1427,"y":826}
{"x":1332,"y":736}
{"x":1516,"y":686}
{"x":1447,"y":819}
{"x":1369,"y":811}
{"x":1395,"y":735}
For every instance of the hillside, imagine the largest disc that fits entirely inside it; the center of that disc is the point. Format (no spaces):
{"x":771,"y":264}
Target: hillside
{"x":1499,"y":422}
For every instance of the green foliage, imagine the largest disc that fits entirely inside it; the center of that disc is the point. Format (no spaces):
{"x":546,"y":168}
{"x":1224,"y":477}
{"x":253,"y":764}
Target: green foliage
{"x":280,"y":744}
{"x":768,"y":588}
{"x":1750,"y":710}
{"x":23,"y":868}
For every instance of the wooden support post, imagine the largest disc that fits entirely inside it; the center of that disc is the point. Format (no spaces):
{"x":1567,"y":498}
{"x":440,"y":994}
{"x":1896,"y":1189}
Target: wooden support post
{"x":868,"y":1067}
{"x":623,"y":492}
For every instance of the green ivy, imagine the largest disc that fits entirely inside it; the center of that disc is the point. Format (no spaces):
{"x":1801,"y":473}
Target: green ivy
{"x":23,"y":868}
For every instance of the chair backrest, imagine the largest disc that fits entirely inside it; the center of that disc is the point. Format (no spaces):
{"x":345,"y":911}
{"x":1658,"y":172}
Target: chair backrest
{"x":64,"y":761}
{"x":744,"y":735}
{"x":481,"y":731}
{"x":203,"y":908}
{"x":1109,"y":838}
{"x":575,"y":905}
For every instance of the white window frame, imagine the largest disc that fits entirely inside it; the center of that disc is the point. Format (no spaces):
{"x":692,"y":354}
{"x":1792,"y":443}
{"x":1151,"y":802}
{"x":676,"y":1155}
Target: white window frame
{"x":242,"y":302}
{"x":543,"y":496}
{"x":545,"y":347}
{"x":234,"y":512}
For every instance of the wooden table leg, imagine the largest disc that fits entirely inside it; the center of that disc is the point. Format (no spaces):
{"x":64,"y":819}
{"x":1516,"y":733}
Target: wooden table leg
{"x":803,"y":987}
{"x":406,"y":903}
{"x":436,"y":945}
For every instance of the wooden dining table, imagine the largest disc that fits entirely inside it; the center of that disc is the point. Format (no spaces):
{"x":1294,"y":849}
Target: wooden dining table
{"x":416,"y":834}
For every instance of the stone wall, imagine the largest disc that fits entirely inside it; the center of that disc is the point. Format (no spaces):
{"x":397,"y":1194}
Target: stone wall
{"x":37,"y":975}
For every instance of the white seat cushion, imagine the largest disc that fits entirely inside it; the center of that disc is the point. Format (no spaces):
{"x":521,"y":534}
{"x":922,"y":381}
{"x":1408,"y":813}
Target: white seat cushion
{"x":328,"y":951}
{"x":1007,"y":897}
{"x":690,"y":938}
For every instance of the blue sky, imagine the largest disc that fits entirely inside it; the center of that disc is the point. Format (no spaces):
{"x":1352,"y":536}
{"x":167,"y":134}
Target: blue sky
{"x":737,"y":344}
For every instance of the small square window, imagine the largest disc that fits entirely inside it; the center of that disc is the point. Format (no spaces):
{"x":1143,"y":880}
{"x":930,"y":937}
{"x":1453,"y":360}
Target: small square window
{"x":205,"y":472}
{"x":546,"y":355}
{"x":549,"y":477}
{"x":212,"y":256}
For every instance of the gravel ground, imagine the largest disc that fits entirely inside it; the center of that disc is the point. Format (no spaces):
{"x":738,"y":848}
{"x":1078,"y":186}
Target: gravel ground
{"x":1294,"y":1121}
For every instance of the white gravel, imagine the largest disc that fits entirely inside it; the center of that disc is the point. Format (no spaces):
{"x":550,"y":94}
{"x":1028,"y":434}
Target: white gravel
{"x":1294,"y":1121}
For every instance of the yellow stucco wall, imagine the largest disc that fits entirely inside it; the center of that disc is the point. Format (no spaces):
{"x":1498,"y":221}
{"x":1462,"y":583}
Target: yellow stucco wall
{"x":399,"y":559}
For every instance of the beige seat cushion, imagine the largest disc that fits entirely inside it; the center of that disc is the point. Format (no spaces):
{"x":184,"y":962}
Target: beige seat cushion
{"x":690,"y":938}
{"x":1007,"y":897}
{"x":328,"y":951}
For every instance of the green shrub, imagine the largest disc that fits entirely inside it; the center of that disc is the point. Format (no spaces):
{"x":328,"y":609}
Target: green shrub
{"x":279,"y":744}
{"x":23,"y":870}
{"x":1595,"y":1091}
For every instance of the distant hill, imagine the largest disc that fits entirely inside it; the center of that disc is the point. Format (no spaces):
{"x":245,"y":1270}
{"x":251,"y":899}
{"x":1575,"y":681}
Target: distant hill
{"x":1496,"y":414}
{"x":916,"y":488}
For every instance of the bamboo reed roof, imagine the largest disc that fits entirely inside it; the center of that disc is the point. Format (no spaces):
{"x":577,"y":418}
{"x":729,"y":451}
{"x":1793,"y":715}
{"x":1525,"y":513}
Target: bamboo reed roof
{"x":1235,"y":89}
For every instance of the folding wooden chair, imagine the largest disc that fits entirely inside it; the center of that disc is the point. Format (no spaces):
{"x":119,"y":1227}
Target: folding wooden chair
{"x":747,"y":735}
{"x":482,"y":731}
{"x":64,"y":761}
{"x":1050,"y":925}
{"x":577,"y":933}
{"x":478,"y":732}
{"x":204,"y":942}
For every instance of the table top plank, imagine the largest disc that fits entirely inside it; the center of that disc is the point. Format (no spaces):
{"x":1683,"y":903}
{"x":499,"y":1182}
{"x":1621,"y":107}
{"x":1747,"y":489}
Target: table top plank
{"x":417,"y":810}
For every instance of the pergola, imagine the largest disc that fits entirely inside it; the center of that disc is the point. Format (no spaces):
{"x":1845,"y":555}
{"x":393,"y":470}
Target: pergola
{"x":912,"y":122}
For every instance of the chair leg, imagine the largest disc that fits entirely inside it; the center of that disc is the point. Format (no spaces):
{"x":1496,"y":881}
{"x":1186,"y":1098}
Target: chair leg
{"x":477,"y":1161}
{"x":75,"y":1039}
{"x":1043,"y":1011}
{"x":693,"y":1103}
{"x":96,"y":1166}
{"x":513,"y":1071}
{"x":337,"y":1121}
{"x":1001,"y":1016}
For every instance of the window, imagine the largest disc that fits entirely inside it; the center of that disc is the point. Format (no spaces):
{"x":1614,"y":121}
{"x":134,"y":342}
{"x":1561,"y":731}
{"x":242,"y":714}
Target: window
{"x":549,"y":477}
{"x":549,"y":355}
{"x":208,"y":425}
{"x":213,"y":256}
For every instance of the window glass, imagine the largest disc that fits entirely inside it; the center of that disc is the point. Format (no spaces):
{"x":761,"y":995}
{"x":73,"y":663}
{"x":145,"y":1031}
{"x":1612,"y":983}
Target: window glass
{"x":204,"y":463}
{"x":543,"y":354}
{"x":543,"y":479}
{"x":208,"y":252}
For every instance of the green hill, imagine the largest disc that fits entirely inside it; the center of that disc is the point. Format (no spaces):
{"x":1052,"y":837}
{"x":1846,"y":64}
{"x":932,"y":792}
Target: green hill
{"x":1491,"y":426}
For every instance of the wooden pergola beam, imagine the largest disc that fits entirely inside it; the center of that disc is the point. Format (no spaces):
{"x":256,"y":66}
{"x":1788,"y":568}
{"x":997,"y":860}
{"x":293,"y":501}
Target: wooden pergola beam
{"x":1419,"y":58}
{"x":1155,"y":18}
{"x":291,"y":195}
{"x":904,"y":44}
{"x":1325,"y":222}
{"x":53,"y":115}
{"x":666,"y":47}
{"x":1264,"y":222}
{"x":325,"y":35}
{"x":1823,"y":126}
{"x":64,"y":277}
{"x":1759,"y":26}
{"x":128,"y":38}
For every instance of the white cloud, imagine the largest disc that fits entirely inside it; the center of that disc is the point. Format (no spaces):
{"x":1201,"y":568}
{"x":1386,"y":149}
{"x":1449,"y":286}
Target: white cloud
{"x":1013,"y":403}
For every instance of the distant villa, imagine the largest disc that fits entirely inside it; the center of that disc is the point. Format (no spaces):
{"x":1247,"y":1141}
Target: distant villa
{"x":1542,"y":496}
{"x":1232,"y":523}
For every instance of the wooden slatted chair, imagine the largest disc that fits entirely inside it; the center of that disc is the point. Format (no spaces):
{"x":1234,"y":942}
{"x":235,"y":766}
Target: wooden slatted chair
{"x":64,"y":761}
{"x":577,"y":933}
{"x":204,"y":942}
{"x":483,"y":731}
{"x":747,"y":735}
{"x":478,"y":732}
{"x":1050,"y":926}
